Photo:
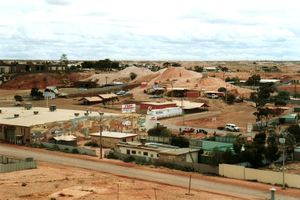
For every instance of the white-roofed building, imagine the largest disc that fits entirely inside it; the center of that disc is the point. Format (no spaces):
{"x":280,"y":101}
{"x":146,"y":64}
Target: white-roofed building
{"x":17,"y":123}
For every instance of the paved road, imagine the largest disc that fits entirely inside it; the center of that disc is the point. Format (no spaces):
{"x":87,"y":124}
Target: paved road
{"x":140,"y":173}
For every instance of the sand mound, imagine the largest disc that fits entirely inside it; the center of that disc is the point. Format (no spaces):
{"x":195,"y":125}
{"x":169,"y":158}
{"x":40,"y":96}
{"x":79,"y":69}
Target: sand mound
{"x":175,"y":76}
{"x":211,"y":83}
{"x":180,"y":77}
{"x":140,"y":71}
{"x":121,"y":76}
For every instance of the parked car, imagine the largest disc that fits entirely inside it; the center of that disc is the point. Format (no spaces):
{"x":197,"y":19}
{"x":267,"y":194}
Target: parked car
{"x":212,"y":96}
{"x":232,"y":127}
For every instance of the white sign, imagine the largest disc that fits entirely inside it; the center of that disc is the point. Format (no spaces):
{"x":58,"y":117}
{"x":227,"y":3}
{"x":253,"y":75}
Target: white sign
{"x":126,"y":123}
{"x":128,"y":108}
{"x":249,"y":127}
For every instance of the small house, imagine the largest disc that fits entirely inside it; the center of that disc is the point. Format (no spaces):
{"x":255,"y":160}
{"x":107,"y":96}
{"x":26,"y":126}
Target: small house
{"x":111,"y":139}
{"x":68,"y":140}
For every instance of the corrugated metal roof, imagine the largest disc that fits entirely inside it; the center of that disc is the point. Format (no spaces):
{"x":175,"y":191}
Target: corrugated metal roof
{"x":108,"y":96}
{"x":189,"y":104}
{"x":114,"y":134}
{"x":92,"y":99}
{"x":65,"y":138}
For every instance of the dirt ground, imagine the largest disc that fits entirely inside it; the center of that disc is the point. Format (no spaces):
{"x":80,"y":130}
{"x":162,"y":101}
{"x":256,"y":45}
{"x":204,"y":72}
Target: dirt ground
{"x":239,"y":114}
{"x":61,"y":182}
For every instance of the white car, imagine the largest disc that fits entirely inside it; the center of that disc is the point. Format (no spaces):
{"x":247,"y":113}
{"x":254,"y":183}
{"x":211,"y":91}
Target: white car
{"x":232,"y":127}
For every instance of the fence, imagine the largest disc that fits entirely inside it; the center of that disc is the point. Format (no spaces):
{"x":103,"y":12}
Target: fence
{"x":69,"y":149}
{"x":14,"y":164}
{"x":263,"y":176}
{"x":165,"y":140}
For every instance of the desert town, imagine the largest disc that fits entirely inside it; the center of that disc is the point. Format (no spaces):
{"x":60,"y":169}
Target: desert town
{"x":231,"y":123}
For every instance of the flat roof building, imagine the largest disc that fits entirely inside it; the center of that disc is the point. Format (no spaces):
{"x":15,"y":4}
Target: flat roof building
{"x":159,"y":151}
{"x":17,"y":123}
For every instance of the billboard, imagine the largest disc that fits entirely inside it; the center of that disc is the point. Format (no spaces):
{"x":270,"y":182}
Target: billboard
{"x":128,"y":108}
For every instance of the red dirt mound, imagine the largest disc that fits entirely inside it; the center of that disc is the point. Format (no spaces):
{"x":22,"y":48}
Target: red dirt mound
{"x":42,"y":80}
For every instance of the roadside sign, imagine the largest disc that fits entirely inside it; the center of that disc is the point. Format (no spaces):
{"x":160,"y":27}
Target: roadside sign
{"x":128,"y":108}
{"x":249,"y":127}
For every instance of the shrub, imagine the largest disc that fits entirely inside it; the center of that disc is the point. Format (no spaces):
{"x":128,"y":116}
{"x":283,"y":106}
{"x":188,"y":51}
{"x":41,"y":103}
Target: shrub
{"x":111,"y":155}
{"x":55,"y":147}
{"x":91,"y":143}
{"x":132,"y":75}
{"x":129,"y":159}
{"x":75,"y":151}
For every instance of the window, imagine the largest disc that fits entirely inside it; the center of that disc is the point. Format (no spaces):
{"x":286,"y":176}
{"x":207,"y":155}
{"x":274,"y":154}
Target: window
{"x":145,"y":153}
{"x":151,"y":155}
{"x":128,"y":151}
{"x":157,"y":155}
{"x":133,"y":152}
{"x":139,"y":152}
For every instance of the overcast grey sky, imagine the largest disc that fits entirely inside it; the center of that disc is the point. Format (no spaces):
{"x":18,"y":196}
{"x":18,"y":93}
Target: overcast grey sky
{"x":150,"y":29}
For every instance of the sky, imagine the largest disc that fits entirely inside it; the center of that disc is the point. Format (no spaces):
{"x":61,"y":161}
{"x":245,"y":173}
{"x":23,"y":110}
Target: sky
{"x":150,"y":29}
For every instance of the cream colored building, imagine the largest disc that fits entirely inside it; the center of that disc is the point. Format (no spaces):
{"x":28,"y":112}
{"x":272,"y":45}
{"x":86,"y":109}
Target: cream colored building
{"x":111,"y":139}
{"x":18,"y":124}
{"x":159,"y":151}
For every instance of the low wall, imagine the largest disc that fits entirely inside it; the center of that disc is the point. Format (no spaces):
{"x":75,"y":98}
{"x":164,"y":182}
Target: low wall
{"x":263,"y":176}
{"x":70,"y":149}
{"x":17,"y":166}
{"x":8,"y":164}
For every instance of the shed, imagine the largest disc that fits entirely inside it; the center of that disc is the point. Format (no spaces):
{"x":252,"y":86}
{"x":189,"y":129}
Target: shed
{"x":90,"y":100}
{"x":288,"y":119}
{"x":191,"y":107}
{"x":68,"y":140}
{"x":180,"y":155}
{"x":108,"y":97}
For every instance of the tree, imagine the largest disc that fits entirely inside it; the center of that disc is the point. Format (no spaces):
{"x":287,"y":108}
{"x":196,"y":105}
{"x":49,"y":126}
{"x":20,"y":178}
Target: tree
{"x":295,"y":131}
{"x":159,"y":130}
{"x":132,"y":75}
{"x":63,"y":59}
{"x":36,"y":94}
{"x":262,"y":96}
{"x":272,"y":151}
{"x":198,"y":69}
{"x":230,"y":98}
{"x":222,"y":89}
{"x":281,"y":98}
{"x":253,"y":80}
{"x":179,"y":141}
{"x":18,"y":98}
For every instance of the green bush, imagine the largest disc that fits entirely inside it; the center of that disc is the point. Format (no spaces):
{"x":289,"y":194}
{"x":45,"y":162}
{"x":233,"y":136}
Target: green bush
{"x":55,"y":147}
{"x":91,"y":144}
{"x":129,"y":159}
{"x":75,"y":151}
{"x":111,"y":155}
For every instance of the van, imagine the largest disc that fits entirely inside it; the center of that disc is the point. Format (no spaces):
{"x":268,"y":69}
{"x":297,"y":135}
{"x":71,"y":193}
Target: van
{"x":232,"y":127}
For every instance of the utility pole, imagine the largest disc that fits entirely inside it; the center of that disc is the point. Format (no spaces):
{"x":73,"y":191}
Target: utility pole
{"x":282,"y":141}
{"x":100,"y":132}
